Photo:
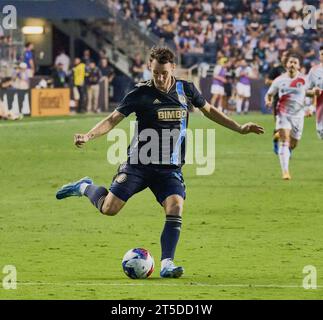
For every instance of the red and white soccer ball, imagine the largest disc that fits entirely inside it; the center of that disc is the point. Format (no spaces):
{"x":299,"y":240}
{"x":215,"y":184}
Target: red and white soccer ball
{"x":138,"y":263}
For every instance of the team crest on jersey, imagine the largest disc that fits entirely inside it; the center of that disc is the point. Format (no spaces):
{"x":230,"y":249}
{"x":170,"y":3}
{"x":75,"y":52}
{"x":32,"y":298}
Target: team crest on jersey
{"x":182,"y":99}
{"x":122,"y":177}
{"x":297,"y":83}
{"x":171,"y":114}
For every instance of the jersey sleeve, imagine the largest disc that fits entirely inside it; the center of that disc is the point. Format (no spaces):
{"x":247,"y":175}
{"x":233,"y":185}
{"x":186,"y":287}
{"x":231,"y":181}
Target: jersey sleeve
{"x":310,"y":80}
{"x":273,"y":89}
{"x":194,"y":96}
{"x":128,"y":104}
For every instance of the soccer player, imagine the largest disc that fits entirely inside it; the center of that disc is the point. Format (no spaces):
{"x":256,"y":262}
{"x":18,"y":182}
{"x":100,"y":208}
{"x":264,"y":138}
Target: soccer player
{"x":243,"y":73}
{"x":273,"y":74}
{"x":291,"y":89}
{"x":160,"y":104}
{"x":315,"y":86}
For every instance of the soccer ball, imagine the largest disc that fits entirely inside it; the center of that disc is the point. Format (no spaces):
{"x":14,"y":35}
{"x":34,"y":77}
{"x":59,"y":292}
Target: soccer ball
{"x":138,"y":263}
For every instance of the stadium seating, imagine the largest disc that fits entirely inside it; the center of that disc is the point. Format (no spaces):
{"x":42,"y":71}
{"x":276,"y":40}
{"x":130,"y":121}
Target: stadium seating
{"x":182,"y":26}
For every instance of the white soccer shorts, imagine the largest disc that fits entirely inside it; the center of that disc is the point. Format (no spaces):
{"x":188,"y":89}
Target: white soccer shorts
{"x":217,"y":89}
{"x":295,"y":124}
{"x":243,"y":90}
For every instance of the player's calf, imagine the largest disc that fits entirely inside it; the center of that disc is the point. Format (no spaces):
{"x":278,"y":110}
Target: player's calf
{"x":284,"y":152}
{"x":96,"y":195}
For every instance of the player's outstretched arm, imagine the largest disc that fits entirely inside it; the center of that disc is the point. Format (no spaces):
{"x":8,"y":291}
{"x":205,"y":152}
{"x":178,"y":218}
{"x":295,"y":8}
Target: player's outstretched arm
{"x":272,"y":91}
{"x":219,"y":117}
{"x":100,"y":129}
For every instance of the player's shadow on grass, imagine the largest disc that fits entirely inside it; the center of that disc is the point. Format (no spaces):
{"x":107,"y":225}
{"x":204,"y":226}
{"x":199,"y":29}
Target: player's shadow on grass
{"x":112,"y":279}
{"x":230,"y":186}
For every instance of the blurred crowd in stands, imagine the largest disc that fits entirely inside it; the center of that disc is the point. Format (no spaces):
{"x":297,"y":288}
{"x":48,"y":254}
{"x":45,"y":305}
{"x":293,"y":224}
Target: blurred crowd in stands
{"x":243,"y":39}
{"x":203,"y":30}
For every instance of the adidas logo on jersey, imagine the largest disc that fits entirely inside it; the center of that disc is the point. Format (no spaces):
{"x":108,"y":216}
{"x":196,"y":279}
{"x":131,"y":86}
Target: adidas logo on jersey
{"x":156,"y":101}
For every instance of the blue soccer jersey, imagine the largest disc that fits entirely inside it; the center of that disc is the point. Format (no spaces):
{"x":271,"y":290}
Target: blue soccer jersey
{"x":162,"y":120}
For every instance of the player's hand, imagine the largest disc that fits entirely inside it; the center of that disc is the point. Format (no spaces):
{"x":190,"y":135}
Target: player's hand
{"x":80,"y":139}
{"x":251,"y":128}
{"x":268,"y":103}
{"x":317,"y":91}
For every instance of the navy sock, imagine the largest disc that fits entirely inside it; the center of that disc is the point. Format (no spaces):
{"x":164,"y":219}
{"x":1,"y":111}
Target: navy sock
{"x":96,"y":195}
{"x":170,"y":236}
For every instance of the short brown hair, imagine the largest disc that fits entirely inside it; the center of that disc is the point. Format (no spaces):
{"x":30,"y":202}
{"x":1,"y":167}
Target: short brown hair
{"x":296,"y":55}
{"x":163,"y":55}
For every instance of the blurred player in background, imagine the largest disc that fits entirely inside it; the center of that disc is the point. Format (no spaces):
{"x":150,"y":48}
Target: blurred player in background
{"x":228,"y":100}
{"x":244,"y":74}
{"x":315,"y":86}
{"x":274,"y":73}
{"x":291,"y":89}
{"x":219,"y":80}
{"x":161,"y":105}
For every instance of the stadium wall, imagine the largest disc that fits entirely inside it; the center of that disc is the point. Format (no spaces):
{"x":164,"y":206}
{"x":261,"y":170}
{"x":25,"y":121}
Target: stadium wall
{"x":20,"y":101}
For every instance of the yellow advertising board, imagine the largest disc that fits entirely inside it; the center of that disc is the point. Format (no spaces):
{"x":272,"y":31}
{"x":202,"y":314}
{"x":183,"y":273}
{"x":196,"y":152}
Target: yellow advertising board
{"x":50,"y":102}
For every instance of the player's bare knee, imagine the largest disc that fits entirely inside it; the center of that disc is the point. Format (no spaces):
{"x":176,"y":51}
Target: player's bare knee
{"x":109,"y":210}
{"x":175,"y":209}
{"x":284,"y":138}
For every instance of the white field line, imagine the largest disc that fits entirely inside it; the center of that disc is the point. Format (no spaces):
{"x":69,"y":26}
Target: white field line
{"x":41,"y":122}
{"x":147,"y":284}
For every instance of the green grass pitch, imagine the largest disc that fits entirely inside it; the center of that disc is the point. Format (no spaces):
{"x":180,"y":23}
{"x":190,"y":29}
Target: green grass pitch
{"x":246,"y":233}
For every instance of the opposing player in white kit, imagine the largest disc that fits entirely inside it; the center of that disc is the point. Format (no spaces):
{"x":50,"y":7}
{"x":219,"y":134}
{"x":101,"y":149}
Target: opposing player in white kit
{"x":291,"y":87}
{"x":243,"y":73}
{"x":315,"y":86}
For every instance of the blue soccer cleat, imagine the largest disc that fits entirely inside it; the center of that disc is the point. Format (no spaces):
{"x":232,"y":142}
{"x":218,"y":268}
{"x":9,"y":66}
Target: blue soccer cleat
{"x":72,"y":189}
{"x":171,"y":271}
